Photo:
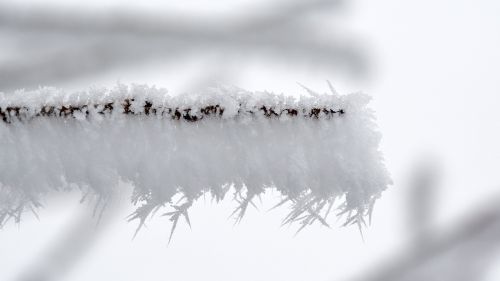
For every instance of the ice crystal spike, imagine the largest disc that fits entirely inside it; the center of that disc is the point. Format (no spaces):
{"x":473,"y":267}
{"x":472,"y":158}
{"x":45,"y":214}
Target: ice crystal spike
{"x":314,"y":150}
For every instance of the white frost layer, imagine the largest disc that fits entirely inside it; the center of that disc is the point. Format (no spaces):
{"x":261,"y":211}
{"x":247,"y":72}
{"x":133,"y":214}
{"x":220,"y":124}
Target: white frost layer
{"x":235,"y":101}
{"x":312,"y":162}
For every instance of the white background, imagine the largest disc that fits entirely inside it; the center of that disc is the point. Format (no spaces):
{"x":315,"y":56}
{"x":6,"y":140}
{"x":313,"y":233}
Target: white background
{"x":436,"y":88}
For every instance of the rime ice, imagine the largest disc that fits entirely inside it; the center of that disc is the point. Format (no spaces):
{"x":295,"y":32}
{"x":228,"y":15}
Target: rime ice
{"x":326,"y":151}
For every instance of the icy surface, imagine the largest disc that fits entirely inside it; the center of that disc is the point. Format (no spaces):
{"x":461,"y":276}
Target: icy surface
{"x":315,"y":163}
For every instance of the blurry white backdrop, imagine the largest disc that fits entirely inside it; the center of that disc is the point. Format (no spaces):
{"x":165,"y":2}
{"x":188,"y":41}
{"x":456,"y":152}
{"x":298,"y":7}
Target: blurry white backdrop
{"x":432,"y":68}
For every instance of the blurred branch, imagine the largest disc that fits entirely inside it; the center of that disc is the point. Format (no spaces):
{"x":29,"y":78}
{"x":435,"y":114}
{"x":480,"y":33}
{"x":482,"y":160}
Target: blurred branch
{"x":104,"y":41}
{"x":81,"y":22}
{"x":463,"y":254}
{"x":72,"y":243}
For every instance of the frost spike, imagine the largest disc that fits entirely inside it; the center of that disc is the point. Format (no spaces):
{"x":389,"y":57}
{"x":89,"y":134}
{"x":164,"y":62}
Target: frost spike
{"x":312,"y":150}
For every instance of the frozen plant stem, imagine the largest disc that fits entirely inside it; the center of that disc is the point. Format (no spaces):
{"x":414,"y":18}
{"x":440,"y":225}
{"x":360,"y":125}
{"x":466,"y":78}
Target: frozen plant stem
{"x":315,"y":150}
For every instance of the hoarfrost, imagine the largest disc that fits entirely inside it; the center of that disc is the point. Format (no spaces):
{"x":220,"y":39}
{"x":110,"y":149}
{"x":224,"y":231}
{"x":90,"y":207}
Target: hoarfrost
{"x":315,"y":159}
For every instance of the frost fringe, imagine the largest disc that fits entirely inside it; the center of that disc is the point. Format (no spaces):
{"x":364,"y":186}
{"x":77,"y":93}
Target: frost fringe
{"x":319,"y":151}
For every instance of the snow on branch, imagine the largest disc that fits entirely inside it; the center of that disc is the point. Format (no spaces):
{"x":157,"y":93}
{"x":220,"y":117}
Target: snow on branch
{"x":319,"y":151}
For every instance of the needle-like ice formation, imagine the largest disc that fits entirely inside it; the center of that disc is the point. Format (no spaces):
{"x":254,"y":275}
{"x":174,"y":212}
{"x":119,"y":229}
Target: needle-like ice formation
{"x":317,"y":150}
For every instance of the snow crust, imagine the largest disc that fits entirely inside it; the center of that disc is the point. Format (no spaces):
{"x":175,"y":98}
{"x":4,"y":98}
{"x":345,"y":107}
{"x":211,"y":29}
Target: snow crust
{"x":315,"y":163}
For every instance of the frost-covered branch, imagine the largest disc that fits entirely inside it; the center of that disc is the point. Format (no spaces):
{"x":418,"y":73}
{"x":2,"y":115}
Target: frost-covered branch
{"x":316,"y":150}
